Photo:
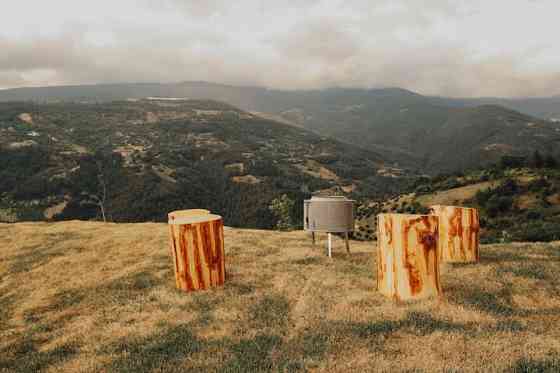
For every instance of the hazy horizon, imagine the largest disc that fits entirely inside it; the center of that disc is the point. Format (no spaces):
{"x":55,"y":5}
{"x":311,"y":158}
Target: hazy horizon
{"x":445,"y":48}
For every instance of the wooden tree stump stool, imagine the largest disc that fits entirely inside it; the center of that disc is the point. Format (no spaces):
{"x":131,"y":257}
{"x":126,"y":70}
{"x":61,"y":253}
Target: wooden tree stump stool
{"x":459,"y":229}
{"x":183,"y":213}
{"x":407,"y":261}
{"x":197,"y":246}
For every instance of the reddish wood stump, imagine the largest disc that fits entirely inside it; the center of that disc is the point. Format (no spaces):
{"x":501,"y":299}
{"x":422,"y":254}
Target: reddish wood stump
{"x":184,"y":213}
{"x":459,"y":229}
{"x":407,"y":261}
{"x":197,"y":246}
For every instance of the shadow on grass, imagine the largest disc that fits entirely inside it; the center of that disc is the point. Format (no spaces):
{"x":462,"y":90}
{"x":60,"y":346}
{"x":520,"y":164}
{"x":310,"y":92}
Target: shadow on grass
{"x":172,"y":347}
{"x":529,"y":270}
{"x":417,"y":323}
{"x":354,"y":264}
{"x":253,"y":355}
{"x":239,"y":288}
{"x":272,"y":311}
{"x":25,"y":356}
{"x":500,"y":257}
{"x":160,"y":350}
{"x":34,"y":256}
{"x":7,"y":303}
{"x":499,"y":303}
{"x":127,"y":288}
{"x":524,"y":365}
{"x":310,"y":260}
{"x":48,"y":318}
{"x":178,"y":348}
{"x":121,"y":291}
{"x":461,"y":265}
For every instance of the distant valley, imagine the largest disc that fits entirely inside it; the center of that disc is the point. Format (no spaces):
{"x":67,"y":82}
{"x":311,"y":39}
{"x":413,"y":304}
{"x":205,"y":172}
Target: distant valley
{"x":136,"y":160}
{"x":430,"y":134}
{"x":140,"y":150}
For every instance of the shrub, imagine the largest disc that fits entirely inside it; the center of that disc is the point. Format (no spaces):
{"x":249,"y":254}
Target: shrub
{"x":497,"y":204}
{"x":482,"y":196}
{"x":508,"y":188}
{"x":423,"y":189}
{"x":536,"y":231}
{"x":508,"y":161}
{"x":538,"y":184}
{"x":281,"y":208}
{"x":534,"y":214}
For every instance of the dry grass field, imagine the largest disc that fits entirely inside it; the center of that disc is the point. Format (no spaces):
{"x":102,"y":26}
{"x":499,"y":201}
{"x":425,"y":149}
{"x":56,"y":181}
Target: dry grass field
{"x":85,"y":296}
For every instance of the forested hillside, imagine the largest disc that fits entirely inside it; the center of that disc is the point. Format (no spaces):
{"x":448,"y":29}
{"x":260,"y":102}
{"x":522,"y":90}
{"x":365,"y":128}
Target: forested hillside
{"x":137,"y":160}
{"x":432,"y":134}
{"x":518,"y":199}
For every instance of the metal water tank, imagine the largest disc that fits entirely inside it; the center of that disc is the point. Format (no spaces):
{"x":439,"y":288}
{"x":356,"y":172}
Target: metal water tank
{"x":328,"y":214}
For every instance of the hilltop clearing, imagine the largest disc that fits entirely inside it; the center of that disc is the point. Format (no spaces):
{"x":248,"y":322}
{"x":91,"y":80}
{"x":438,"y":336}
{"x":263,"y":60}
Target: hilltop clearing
{"x":85,"y":296}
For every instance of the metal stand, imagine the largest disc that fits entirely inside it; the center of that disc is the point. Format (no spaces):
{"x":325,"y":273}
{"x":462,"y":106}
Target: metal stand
{"x":329,"y":242}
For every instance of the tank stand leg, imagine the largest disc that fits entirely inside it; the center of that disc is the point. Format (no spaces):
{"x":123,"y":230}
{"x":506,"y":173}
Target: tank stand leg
{"x":347,"y":243}
{"x":313,"y":237}
{"x":329,"y":246}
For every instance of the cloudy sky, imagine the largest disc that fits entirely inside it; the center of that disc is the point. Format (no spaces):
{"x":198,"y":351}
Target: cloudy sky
{"x":455,"y":48}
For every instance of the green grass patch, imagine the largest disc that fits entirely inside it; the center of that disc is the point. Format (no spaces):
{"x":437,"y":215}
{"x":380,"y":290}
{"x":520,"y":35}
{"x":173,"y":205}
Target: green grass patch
{"x":525,"y":365}
{"x":175,"y":349}
{"x":253,"y":355}
{"x":160,"y":351}
{"x":31,"y":257}
{"x":240,"y":288}
{"x":271,"y":311}
{"x":310,"y":260}
{"x":7,"y":302}
{"x":58,"y":303}
{"x":527,"y":270}
{"x":24,"y":354}
{"x":125,"y":289}
{"x":512,"y":326}
{"x":497,"y":303}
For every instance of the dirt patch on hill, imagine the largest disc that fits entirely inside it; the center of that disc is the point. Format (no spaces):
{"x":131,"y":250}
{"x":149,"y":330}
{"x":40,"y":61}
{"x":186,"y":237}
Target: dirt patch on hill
{"x":457,"y":195}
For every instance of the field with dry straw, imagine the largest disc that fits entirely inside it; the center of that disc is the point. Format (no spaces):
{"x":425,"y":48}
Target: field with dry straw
{"x":85,"y":296}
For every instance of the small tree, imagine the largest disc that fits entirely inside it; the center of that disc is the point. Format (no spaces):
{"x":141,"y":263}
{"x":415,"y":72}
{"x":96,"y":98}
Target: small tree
{"x":538,"y":161}
{"x":281,"y":208}
{"x":509,"y":161}
{"x":94,"y":177}
{"x":550,"y":162}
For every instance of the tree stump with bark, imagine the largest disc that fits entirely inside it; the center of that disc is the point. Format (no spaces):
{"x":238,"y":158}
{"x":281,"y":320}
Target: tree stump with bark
{"x":407,"y":261}
{"x":197,"y":247}
{"x":459,"y":231}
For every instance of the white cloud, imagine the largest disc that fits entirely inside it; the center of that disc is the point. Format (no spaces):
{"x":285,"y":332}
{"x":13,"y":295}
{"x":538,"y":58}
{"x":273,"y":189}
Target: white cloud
{"x":503,"y":47}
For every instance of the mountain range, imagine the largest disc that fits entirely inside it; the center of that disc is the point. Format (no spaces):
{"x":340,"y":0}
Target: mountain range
{"x":429,"y":134}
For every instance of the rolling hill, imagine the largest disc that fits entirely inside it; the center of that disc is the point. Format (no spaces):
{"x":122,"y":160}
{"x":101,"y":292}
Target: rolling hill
{"x":143,"y":158}
{"x":540,"y":107}
{"x":515,"y":204}
{"x":432,"y":134}
{"x":86,"y":296}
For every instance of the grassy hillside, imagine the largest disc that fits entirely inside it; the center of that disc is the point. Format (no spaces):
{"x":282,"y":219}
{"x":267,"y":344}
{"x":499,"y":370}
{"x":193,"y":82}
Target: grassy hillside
{"x":85,"y":296}
{"x":516,"y":200}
